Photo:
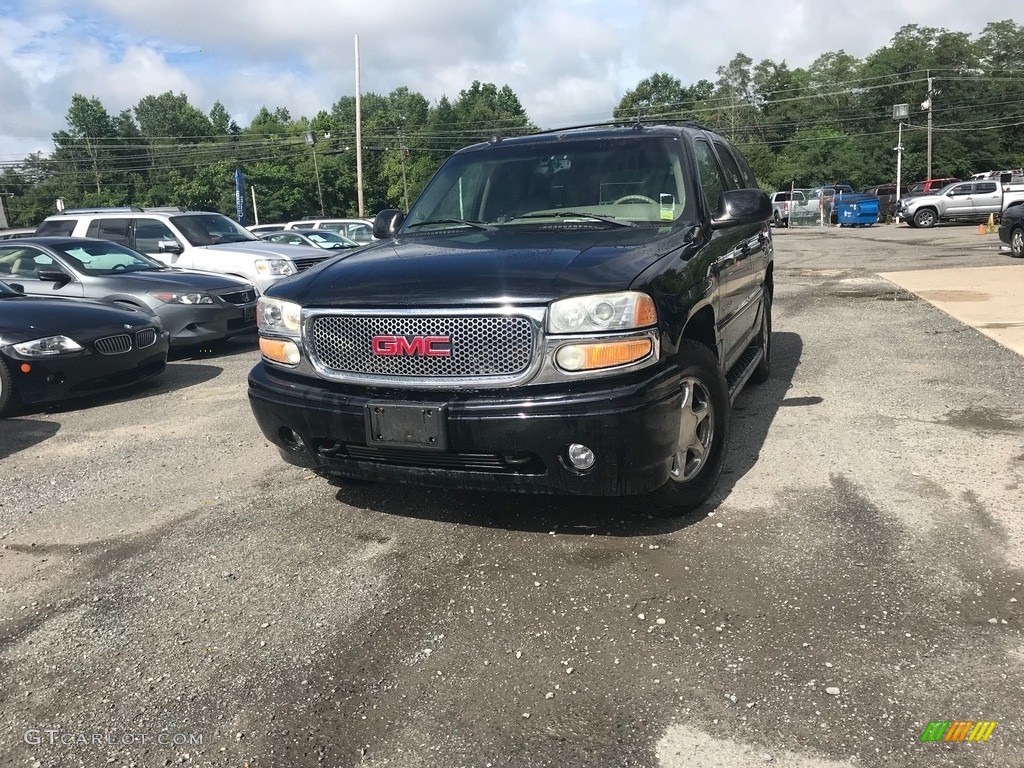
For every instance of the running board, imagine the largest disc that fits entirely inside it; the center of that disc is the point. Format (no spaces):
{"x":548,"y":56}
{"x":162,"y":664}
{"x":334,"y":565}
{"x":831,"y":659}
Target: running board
{"x":743,"y":369}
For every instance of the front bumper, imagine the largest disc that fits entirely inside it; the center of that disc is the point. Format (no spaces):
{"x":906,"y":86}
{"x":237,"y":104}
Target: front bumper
{"x":203,"y":323}
{"x":1004,"y":234}
{"x":63,"y":377}
{"x":500,"y":440}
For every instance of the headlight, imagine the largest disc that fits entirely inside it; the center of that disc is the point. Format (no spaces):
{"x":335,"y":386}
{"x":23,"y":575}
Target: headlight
{"x":47,"y":347}
{"x":275,"y":267}
{"x":168,"y":297}
{"x":278,"y":317}
{"x":602,"y":312}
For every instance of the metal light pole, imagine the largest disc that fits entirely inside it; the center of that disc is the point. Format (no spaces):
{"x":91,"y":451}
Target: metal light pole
{"x":899,"y":161}
{"x":928,"y":105}
{"x":311,"y":140}
{"x":899,"y":113}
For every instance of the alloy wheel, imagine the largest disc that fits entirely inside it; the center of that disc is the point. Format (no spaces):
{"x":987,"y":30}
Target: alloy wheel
{"x":696,"y":431}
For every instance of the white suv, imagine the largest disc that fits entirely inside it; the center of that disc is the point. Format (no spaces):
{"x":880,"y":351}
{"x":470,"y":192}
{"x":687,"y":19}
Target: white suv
{"x":189,"y":239}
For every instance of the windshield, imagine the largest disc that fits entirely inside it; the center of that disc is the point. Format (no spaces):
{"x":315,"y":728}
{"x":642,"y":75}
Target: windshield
{"x":325,"y":238}
{"x":106,"y":258}
{"x":212,"y":229}
{"x":631,"y":179}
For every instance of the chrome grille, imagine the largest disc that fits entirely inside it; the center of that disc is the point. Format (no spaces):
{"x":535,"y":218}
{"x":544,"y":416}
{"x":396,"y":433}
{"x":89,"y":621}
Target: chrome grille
{"x":239,"y":297}
{"x":482,"y":346}
{"x":114,"y":345}
{"x":145,"y":338}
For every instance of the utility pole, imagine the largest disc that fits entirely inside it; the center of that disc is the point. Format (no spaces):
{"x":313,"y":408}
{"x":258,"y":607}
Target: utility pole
{"x":402,"y":152}
{"x":311,"y":140}
{"x":359,"y":137}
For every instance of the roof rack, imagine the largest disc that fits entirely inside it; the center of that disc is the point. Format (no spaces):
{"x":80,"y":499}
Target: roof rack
{"x":636,"y":123}
{"x":167,"y":209}
{"x":104,"y":209}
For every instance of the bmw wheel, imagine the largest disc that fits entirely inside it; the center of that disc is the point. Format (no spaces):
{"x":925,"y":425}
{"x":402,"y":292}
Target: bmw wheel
{"x":6,"y":388}
{"x":1017,"y":243}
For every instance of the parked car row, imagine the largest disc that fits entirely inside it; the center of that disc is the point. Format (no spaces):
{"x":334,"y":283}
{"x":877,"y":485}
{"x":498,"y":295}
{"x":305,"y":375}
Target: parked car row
{"x":189,"y":239}
{"x":56,"y":349}
{"x":360,"y":230}
{"x":832,"y":203}
{"x":81,"y":316}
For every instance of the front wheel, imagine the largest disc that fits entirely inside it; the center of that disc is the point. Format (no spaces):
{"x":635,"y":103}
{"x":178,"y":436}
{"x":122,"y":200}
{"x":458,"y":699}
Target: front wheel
{"x":6,"y":389}
{"x":925,"y":218}
{"x":703,"y":434}
{"x":1017,"y":243}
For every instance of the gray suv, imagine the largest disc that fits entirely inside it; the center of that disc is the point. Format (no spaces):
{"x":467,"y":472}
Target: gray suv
{"x":188,"y":239}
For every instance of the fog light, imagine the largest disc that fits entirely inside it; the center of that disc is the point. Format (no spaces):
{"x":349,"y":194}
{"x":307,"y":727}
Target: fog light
{"x":580,"y":456}
{"x":290,"y":439}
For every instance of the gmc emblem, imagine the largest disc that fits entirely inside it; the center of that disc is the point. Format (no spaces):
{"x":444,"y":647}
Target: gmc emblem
{"x":427,"y":346}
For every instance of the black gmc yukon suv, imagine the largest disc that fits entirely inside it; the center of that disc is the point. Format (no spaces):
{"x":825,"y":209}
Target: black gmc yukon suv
{"x":571,"y":312}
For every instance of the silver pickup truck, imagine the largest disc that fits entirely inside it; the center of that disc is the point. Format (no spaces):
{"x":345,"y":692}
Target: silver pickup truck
{"x":963,"y":201}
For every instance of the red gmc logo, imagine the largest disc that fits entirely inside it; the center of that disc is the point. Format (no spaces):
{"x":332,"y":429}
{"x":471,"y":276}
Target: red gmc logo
{"x":427,"y":346}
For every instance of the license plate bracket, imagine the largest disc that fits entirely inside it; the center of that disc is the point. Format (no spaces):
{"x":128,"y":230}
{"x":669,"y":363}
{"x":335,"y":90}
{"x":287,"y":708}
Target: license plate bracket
{"x":249,"y":314}
{"x":407,"y":425}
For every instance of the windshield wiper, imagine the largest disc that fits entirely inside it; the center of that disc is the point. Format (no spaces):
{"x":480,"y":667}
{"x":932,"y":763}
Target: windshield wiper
{"x":463,"y":222}
{"x":574,"y":215}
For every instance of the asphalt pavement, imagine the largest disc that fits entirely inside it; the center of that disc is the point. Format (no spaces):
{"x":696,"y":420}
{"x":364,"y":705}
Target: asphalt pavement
{"x":172,"y":593}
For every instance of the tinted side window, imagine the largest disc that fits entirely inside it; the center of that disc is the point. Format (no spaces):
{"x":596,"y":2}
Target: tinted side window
{"x":985,"y":186}
{"x":961,"y":189}
{"x":115,"y":230}
{"x":749,"y":180}
{"x":149,"y":233}
{"x":57,"y":228}
{"x":732,"y":171}
{"x":711,"y":179}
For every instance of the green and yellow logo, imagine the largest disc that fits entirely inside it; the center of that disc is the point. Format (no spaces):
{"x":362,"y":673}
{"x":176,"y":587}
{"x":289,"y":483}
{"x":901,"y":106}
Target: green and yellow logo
{"x":958,"y":730}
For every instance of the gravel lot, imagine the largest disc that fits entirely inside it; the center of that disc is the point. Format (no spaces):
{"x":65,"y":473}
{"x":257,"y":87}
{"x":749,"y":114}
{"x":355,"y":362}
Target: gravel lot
{"x":172,"y":593}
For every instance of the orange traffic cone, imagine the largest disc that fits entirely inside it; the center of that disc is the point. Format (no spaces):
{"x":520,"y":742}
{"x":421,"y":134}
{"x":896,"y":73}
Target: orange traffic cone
{"x":981,"y":229}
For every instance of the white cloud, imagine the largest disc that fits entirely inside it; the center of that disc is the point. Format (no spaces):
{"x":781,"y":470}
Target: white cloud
{"x":569,"y":61}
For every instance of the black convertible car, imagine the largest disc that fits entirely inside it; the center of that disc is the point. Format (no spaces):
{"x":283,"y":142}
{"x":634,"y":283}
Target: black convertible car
{"x":58,"y":349}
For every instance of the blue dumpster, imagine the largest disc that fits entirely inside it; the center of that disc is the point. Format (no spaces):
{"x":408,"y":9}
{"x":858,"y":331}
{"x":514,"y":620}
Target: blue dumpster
{"x":857,"y":210}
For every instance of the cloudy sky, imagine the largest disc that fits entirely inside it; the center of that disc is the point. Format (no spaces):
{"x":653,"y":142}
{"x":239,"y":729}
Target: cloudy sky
{"x":569,"y":61}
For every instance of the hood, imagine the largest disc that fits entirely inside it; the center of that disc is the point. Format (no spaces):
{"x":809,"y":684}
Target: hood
{"x":169,"y":280}
{"x":261,"y":249}
{"x":482,"y":268}
{"x":26,"y":317}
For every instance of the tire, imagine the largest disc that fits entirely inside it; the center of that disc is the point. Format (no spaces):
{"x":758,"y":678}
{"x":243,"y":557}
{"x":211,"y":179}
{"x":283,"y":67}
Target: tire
{"x":926,"y":218}
{"x":694,"y":478}
{"x":763,"y":371}
{"x":776,"y":220}
{"x":7,"y":398}
{"x":1017,"y":243}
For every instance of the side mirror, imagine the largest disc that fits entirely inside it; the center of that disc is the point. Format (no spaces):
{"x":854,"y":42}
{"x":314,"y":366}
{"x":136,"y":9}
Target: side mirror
{"x":53,"y":276}
{"x":387,"y":223}
{"x":743,"y":206}
{"x":168,"y":246}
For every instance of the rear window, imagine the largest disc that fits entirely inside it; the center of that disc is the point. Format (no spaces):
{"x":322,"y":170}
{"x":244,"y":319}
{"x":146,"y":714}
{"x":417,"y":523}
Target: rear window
{"x":57,"y":228}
